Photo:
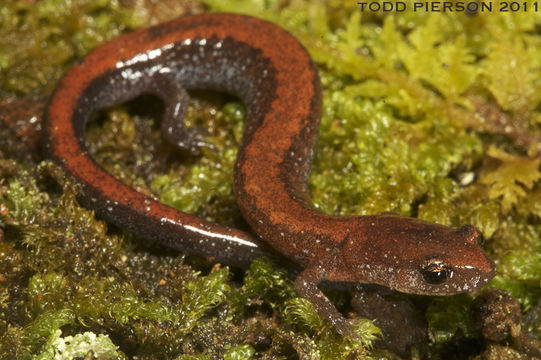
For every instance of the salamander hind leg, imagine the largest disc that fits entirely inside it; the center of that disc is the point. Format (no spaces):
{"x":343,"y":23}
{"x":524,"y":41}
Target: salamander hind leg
{"x":118,"y":88}
{"x":190,"y":139}
{"x":176,"y":100}
{"x":306,"y":284}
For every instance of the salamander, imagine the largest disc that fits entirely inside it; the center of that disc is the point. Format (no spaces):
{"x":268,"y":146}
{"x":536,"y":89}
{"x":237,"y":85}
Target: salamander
{"x":272,"y":73}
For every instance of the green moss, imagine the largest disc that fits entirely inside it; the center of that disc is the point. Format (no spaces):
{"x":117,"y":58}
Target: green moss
{"x":274,"y":288}
{"x":265,"y":282}
{"x":415,"y":106}
{"x":512,"y":178}
{"x":211,"y":178}
{"x":512,"y":71}
{"x":241,"y":352}
{"x":448,"y":317}
{"x":79,"y":346}
{"x":326,"y":342}
{"x":193,"y":357}
{"x":41,"y":40}
{"x":44,"y":326}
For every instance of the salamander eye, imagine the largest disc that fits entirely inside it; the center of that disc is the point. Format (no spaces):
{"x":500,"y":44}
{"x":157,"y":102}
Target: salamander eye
{"x":436,"y":272}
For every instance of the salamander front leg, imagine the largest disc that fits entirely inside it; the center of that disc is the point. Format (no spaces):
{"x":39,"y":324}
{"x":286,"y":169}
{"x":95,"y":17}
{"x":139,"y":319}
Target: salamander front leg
{"x":306,"y":284}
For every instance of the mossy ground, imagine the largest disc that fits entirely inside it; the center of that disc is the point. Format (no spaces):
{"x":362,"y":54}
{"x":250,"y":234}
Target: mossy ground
{"x":434,"y":115}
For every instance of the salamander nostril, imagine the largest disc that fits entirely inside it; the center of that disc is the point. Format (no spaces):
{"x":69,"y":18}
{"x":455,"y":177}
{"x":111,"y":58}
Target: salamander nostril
{"x":481,"y":239}
{"x":471,"y":235}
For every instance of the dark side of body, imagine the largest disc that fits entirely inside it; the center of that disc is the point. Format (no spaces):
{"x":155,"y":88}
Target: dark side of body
{"x":274,"y":76}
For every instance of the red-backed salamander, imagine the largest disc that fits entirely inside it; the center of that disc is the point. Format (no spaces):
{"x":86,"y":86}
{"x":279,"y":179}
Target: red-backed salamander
{"x":275,"y":77}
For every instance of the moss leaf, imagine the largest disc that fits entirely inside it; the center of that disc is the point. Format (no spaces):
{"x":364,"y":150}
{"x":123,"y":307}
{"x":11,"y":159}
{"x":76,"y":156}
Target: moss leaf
{"x":241,"y":352}
{"x":512,"y":70}
{"x":511,"y":178}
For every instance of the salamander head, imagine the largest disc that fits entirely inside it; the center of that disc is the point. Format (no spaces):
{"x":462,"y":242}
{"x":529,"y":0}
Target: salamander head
{"x":414,"y":256}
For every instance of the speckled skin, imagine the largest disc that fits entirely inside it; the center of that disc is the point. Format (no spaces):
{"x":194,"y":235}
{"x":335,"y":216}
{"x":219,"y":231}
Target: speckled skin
{"x":275,"y":77}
